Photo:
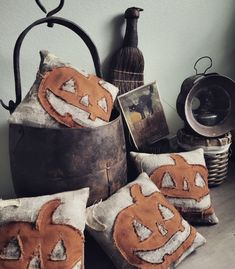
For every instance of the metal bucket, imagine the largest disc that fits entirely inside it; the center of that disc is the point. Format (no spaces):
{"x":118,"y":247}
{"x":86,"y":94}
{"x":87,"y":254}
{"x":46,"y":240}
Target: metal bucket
{"x":46,"y":160}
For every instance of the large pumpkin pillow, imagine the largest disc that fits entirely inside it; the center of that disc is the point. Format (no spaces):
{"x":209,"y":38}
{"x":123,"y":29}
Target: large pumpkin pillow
{"x":139,"y":228}
{"x":43,"y":232}
{"x":62,"y":94}
{"x":183,"y":179}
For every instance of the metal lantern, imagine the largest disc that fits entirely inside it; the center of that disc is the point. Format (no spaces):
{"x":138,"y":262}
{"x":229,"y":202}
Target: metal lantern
{"x":206,"y":102}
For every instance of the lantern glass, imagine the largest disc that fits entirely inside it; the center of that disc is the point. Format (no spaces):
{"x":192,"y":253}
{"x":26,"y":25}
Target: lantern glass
{"x":211,"y":105}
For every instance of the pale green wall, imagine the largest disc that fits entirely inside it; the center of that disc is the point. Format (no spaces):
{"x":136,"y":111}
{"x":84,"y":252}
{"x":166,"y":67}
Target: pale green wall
{"x":172,"y":35}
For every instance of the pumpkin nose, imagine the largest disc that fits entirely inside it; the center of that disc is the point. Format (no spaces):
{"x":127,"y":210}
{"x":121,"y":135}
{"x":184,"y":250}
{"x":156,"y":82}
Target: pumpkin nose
{"x":35,"y":263}
{"x":12,"y":250}
{"x":162,"y":229}
{"x":185,"y":185}
{"x":59,"y":252}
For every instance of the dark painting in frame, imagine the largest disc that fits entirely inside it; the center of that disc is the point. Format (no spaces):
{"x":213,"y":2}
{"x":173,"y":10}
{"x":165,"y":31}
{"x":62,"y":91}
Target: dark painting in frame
{"x":144,"y":115}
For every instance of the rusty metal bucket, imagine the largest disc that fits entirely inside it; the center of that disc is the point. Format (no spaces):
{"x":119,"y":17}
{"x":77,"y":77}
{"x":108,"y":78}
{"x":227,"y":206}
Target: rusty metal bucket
{"x":46,"y":160}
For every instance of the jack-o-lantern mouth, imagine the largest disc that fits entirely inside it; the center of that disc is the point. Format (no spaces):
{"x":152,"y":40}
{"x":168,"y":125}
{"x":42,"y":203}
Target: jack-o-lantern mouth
{"x":156,"y":256}
{"x":204,"y":203}
{"x":75,"y":113}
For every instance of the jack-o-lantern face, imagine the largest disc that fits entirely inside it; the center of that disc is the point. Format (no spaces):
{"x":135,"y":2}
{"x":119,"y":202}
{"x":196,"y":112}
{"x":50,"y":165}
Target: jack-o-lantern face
{"x":182,"y":180}
{"x":72,"y":98}
{"x":151,"y":233}
{"x":42,"y":245}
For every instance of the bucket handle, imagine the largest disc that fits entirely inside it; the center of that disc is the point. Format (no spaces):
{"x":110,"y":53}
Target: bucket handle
{"x":16,"y":56}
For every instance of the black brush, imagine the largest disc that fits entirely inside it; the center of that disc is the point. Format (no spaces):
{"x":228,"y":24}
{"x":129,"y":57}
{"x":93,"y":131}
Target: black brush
{"x":128,"y":63}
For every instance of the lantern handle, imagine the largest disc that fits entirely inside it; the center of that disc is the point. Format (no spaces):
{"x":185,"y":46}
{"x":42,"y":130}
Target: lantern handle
{"x":198,"y":60}
{"x":16,"y":56}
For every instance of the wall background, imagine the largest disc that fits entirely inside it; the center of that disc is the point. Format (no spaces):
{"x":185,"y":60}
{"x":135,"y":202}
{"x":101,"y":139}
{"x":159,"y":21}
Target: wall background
{"x":173,"y":34}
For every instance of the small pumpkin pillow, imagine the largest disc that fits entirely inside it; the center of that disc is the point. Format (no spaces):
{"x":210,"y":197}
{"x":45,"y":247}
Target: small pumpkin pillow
{"x":139,"y":228}
{"x":61,"y":94}
{"x":183,"y":179}
{"x":43,"y":232}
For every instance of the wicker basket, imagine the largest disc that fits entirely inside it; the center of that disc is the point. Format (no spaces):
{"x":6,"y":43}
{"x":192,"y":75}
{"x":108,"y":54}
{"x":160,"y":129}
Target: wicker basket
{"x":216,"y":152}
{"x":233,"y":146}
{"x":217,"y":165}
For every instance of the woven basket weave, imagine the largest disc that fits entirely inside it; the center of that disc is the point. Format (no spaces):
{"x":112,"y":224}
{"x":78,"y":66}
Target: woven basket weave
{"x":216,"y":153}
{"x":217,"y":165}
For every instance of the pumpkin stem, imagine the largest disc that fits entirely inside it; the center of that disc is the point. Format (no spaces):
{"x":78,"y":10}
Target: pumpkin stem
{"x":46,"y":212}
{"x":179,"y":160}
{"x":136,"y":192}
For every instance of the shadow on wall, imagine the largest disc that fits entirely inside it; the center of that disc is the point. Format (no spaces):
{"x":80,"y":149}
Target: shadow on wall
{"x":228,"y":59}
{"x":116,"y":26}
{"x":228,"y":63}
{"x":6,"y":187}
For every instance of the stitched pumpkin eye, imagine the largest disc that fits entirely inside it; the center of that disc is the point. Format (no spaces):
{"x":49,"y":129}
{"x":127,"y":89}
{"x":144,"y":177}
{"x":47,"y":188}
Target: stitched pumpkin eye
{"x":12,"y":250}
{"x":167,"y":181}
{"x":59,"y":252}
{"x":85,"y":100}
{"x":166,"y":213}
{"x":69,"y":86}
{"x":141,"y":230}
{"x":102,"y":103}
{"x":199,"y":181}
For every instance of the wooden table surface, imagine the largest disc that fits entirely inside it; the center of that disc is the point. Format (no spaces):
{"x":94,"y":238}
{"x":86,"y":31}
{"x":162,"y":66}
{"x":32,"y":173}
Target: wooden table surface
{"x":217,"y":253}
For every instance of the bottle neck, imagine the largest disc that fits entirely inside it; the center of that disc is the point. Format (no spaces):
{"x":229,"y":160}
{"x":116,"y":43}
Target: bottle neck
{"x":131,"y":35}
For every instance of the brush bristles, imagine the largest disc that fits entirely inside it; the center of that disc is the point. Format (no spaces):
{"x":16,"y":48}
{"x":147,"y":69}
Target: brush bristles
{"x":127,"y":69}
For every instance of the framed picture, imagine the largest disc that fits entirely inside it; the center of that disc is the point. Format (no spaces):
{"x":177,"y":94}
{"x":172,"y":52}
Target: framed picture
{"x":144,"y":115}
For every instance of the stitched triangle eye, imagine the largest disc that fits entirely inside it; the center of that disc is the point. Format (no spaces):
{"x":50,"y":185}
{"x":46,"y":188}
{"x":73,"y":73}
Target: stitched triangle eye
{"x":85,"y":100}
{"x":59,"y":252}
{"x":69,"y":86}
{"x":167,"y":181}
{"x":199,"y":181}
{"x":103,"y":104}
{"x":142,"y":231}
{"x":11,"y":251}
{"x":166,"y":213}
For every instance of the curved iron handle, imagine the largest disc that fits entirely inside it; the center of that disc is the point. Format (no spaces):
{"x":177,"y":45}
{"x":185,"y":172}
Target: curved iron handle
{"x":41,"y":6}
{"x":16,"y":57}
{"x":52,"y":12}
